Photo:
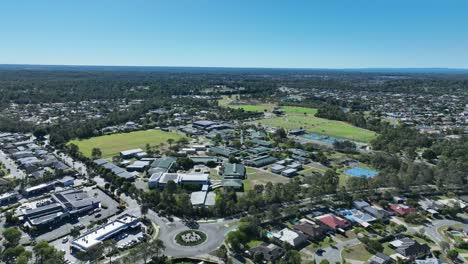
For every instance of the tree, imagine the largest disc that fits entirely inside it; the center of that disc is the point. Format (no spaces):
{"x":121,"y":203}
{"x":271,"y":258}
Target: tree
{"x":444,"y":245}
{"x":96,"y":153}
{"x":452,"y":254}
{"x":222,"y":252}
{"x":211,"y":164}
{"x":292,"y":257}
{"x":12,"y":236}
{"x":170,"y":141}
{"x":110,"y":248}
{"x":149,"y":249}
{"x":184,"y":163}
{"x":40,"y":133}
{"x":73,"y":150}
{"x":10,"y":218}
{"x":11,"y":253}
{"x":48,"y":254}
{"x":429,"y":154}
{"x":258,"y":257}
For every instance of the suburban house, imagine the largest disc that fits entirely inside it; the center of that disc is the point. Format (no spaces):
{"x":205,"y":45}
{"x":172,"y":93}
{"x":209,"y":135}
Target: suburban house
{"x":310,"y":229}
{"x":410,"y":248}
{"x":293,"y":238}
{"x":401,"y":209}
{"x":270,"y":252}
{"x":333,"y":221}
{"x":379,"y":258}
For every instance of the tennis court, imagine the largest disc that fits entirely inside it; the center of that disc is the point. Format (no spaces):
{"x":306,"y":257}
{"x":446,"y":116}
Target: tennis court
{"x":360,"y":172}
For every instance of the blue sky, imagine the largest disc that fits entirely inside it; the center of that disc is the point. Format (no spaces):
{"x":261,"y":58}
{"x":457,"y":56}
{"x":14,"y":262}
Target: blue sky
{"x":236,"y":33}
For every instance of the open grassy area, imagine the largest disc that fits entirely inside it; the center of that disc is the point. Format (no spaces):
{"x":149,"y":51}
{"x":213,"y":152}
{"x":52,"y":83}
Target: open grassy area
{"x":259,"y":176}
{"x":357,"y":252}
{"x":253,"y":243}
{"x":312,"y":124}
{"x":304,"y":117}
{"x":226,"y":102}
{"x":111,"y":145}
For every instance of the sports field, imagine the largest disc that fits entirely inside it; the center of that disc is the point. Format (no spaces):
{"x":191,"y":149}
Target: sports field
{"x":111,"y":145}
{"x":295,"y":118}
{"x":226,"y":102}
{"x":259,"y":176}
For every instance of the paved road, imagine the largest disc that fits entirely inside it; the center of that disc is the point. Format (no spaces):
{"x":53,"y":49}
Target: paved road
{"x":76,"y":165}
{"x":9,"y":164}
{"x":215,"y":232}
{"x":333,"y":254}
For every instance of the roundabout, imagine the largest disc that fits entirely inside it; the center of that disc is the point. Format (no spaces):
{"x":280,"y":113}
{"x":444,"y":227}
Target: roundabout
{"x":190,"y":238}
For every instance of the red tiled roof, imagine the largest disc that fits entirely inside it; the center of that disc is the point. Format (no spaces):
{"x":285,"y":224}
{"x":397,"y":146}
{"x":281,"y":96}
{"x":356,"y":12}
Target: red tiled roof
{"x":402,"y":209}
{"x":333,"y":221}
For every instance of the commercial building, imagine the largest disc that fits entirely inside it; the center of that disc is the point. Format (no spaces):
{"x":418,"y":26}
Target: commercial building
{"x":260,"y":161}
{"x":163,"y":164}
{"x":57,"y":207}
{"x":8,"y":197}
{"x":233,"y":171}
{"x":203,"y":124}
{"x":277,"y":168}
{"x":160,"y":179}
{"x":115,"y":169}
{"x":289,"y":172}
{"x":225,"y":152}
{"x":97,"y":236}
{"x":131,"y":153}
{"x":138,"y":165}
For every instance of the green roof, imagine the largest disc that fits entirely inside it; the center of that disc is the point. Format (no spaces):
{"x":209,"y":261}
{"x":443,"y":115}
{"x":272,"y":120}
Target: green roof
{"x":164,"y":163}
{"x":234,"y":170}
{"x":232,"y":183}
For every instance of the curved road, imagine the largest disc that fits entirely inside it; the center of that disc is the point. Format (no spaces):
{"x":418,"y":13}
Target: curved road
{"x":215,"y":232}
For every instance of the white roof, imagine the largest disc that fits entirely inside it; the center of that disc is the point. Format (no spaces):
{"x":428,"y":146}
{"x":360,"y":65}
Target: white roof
{"x":140,"y":163}
{"x":278,"y":167}
{"x":130,"y":151}
{"x":8,"y":195}
{"x":289,"y":171}
{"x":198,"y":198}
{"x":97,"y":236}
{"x":288,"y":236}
{"x":193,"y":177}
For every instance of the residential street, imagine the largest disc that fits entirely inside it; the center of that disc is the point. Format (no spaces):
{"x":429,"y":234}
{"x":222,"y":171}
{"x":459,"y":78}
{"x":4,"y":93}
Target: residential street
{"x":14,"y":171}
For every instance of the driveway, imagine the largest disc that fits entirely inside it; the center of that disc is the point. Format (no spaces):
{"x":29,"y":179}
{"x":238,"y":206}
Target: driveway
{"x":333,"y":253}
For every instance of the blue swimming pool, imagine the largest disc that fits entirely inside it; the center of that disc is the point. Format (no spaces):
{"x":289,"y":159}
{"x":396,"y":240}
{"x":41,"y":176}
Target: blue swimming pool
{"x":360,"y":172}
{"x":322,"y":138}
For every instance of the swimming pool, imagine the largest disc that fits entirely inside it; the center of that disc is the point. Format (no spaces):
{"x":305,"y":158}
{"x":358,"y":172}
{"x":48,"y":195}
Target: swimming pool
{"x":360,"y":172}
{"x":322,"y":138}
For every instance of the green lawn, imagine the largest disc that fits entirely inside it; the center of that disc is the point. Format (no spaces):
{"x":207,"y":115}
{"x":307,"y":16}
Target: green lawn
{"x":357,"y":252}
{"x":111,"y":145}
{"x":259,"y":176}
{"x":253,"y":243}
{"x":312,"y":124}
{"x":304,"y":117}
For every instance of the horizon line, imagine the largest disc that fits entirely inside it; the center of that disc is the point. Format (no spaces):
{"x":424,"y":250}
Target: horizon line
{"x":241,"y":67}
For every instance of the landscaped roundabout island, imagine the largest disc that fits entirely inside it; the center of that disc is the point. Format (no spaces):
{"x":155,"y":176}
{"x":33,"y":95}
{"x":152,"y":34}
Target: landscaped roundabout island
{"x":190,"y":238}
